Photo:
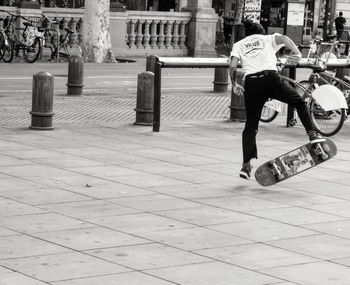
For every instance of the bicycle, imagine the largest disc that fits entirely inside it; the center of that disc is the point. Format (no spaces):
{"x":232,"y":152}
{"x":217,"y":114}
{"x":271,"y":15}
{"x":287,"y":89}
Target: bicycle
{"x":6,"y":46}
{"x":59,"y":39}
{"x":29,"y":40}
{"x":327,"y":121}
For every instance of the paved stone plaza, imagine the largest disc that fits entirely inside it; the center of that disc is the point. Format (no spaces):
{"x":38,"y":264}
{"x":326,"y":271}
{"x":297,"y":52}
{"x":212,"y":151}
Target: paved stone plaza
{"x":102,"y":201}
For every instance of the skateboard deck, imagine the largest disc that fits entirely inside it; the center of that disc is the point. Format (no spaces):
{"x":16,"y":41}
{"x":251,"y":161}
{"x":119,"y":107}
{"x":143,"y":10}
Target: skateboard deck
{"x":295,"y":162}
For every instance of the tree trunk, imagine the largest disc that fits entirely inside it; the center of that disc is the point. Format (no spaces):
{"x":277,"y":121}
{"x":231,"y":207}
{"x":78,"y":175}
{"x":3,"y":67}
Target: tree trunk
{"x":96,"y":36}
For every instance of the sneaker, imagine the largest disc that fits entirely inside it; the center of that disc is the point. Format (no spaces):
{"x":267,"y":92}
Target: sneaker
{"x":245,"y":172}
{"x":314,"y":137}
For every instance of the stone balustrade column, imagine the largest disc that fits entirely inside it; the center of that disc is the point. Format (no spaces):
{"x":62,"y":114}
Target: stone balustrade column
{"x":161,"y":35}
{"x":73,"y":38}
{"x":139,"y":34}
{"x":80,"y":33}
{"x":132,"y":35}
{"x":146,"y":34}
{"x":176,"y":36}
{"x":168,"y":35}
{"x":182,"y":38}
{"x":154,"y":34}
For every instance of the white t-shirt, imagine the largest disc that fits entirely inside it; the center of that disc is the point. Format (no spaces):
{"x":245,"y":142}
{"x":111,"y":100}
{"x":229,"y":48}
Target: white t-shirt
{"x":256,"y":53}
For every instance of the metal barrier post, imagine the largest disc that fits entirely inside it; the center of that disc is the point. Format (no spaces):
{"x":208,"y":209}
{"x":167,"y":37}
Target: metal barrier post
{"x":42,"y":101}
{"x":237,"y":102}
{"x":291,"y":73}
{"x":221,"y":78}
{"x":75,"y":75}
{"x":145,"y":98}
{"x":157,"y":95}
{"x":151,"y":62}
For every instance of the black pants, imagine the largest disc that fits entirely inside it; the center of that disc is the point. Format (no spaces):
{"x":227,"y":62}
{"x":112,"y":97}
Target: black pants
{"x":257,"y":91}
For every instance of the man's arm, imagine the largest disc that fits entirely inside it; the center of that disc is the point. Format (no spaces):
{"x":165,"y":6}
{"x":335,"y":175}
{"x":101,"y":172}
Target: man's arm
{"x":233,"y":69}
{"x":237,"y":89}
{"x":282,"y":39}
{"x":295,"y":56}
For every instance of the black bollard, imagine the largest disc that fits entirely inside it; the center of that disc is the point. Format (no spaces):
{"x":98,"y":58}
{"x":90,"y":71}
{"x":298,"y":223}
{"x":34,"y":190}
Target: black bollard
{"x":75,"y":75}
{"x":221,"y":78}
{"x":145,"y":99}
{"x":42,"y":101}
{"x":237,"y":102}
{"x":150,"y":62}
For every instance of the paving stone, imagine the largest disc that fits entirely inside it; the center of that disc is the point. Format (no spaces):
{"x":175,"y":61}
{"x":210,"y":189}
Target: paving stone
{"x":138,"y":223}
{"x":152,"y":203}
{"x":108,"y":190}
{"x":18,"y":278}
{"x":262,"y":230}
{"x":10,"y":208}
{"x":88,"y":209}
{"x":149,"y":256}
{"x":91,"y":238}
{"x":212,"y":273}
{"x":42,"y":223}
{"x":133,"y":278}
{"x":195,"y":238}
{"x":256,"y":256}
{"x":340,"y":229}
{"x":321,"y":246}
{"x":24,"y":246}
{"x":241,"y":203}
{"x":206,"y":215}
{"x":296,"y":216}
{"x":318,"y":273}
{"x":63,"y":266}
{"x":44,"y":196}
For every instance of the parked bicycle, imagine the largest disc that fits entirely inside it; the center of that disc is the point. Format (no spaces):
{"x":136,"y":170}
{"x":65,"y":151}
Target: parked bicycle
{"x":60,"y":39}
{"x":6,"y":45}
{"x":27,"y":39}
{"x":328,"y":120}
{"x":328,"y":116}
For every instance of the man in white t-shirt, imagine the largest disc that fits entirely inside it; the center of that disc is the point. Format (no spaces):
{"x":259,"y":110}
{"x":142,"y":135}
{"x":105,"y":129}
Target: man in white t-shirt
{"x":257,"y":55}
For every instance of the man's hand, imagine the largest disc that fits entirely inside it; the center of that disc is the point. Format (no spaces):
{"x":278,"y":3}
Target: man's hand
{"x":237,"y":90}
{"x":293,"y":59}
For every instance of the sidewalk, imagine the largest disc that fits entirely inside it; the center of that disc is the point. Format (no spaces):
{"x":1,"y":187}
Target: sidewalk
{"x":107,"y":202}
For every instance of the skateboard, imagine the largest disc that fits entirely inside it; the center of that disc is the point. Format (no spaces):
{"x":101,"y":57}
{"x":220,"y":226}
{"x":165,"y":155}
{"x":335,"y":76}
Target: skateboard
{"x":295,"y":162}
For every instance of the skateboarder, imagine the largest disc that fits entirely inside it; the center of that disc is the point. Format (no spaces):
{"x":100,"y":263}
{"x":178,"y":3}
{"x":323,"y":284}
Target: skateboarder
{"x":257,"y":55}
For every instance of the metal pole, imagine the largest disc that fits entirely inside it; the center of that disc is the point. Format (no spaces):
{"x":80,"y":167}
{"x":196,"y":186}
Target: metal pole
{"x":157,"y":96}
{"x":291,"y":110}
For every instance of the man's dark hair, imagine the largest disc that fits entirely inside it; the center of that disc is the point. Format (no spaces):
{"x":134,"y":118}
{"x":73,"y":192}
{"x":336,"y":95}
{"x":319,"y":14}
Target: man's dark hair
{"x":253,"y":28}
{"x":340,"y":14}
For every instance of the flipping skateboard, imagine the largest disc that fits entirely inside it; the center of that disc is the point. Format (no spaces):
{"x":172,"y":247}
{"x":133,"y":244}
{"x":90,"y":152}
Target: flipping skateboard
{"x":295,"y":162}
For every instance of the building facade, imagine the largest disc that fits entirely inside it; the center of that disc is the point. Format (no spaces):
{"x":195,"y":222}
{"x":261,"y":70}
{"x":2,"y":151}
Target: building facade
{"x":187,"y":27}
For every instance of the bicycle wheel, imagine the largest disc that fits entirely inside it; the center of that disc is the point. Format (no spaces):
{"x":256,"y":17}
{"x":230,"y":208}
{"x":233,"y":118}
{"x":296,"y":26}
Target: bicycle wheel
{"x":327,"y":123}
{"x":2,"y":45}
{"x":346,"y":92}
{"x":268,"y":114}
{"x":308,"y":86}
{"x":32,"y":53}
{"x":8,"y":51}
{"x":68,"y":50}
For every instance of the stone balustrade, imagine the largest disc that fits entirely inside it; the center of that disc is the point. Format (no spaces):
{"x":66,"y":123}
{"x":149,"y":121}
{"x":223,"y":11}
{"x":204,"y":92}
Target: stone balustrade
{"x":133,"y":33}
{"x":158,"y":32}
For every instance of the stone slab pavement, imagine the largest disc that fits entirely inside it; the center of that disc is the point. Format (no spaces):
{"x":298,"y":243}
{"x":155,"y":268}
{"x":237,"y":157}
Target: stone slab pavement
{"x":114,"y":203}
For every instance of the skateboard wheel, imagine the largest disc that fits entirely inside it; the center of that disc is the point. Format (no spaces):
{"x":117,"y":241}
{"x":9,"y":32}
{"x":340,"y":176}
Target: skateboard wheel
{"x":326,"y":147}
{"x":325,"y":156}
{"x":280,"y":176}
